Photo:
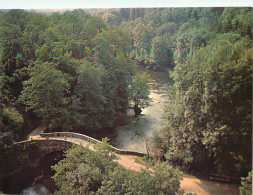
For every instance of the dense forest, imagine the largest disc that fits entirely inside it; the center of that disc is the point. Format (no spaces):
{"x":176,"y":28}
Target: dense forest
{"x":208,"y":116}
{"x":70,"y":71}
{"x":76,"y":71}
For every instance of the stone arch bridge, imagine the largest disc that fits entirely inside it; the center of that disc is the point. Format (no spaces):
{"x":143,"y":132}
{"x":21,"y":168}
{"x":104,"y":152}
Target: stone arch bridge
{"x":60,"y":141}
{"x":31,"y":152}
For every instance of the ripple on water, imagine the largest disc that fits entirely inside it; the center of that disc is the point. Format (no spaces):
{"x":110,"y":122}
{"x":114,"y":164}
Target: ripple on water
{"x":134,"y":135}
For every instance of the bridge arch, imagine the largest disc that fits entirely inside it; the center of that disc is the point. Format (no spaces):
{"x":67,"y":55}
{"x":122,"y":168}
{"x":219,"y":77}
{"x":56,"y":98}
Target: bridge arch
{"x":86,"y":138}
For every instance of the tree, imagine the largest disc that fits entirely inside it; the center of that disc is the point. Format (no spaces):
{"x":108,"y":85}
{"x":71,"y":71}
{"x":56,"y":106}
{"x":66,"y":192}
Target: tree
{"x":190,"y":41}
{"x":160,"y":51}
{"x":139,"y":93}
{"x":33,"y":33}
{"x":11,"y":121}
{"x":167,"y":31}
{"x":64,"y":40}
{"x":153,"y":17}
{"x":238,"y":20}
{"x":92,"y":27}
{"x":88,"y":100}
{"x":246,"y":185}
{"x":142,"y":36}
{"x":45,"y":94}
{"x":94,"y":172}
{"x":111,"y":19}
{"x":166,"y":179}
{"x":16,"y":17}
{"x":208,"y":117}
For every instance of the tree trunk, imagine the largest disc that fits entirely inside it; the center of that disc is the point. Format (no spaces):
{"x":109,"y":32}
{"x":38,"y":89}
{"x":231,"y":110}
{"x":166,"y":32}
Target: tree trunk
{"x":137,"y":110}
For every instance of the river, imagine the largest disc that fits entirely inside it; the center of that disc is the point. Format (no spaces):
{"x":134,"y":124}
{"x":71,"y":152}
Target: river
{"x":133,"y":136}
{"x":136,"y":134}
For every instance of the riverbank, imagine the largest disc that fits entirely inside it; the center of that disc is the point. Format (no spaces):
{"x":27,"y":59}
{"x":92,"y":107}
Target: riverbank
{"x":137,"y":133}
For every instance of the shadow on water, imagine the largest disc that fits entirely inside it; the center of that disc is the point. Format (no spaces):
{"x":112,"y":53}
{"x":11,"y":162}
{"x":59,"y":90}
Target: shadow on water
{"x":135,"y":135}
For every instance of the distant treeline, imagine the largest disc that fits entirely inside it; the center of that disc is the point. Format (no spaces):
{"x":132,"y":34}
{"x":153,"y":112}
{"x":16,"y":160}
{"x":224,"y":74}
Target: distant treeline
{"x":169,"y":35}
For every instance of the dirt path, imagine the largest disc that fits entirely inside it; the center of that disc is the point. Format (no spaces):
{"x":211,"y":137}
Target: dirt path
{"x":206,"y":187}
{"x":128,"y":161}
{"x":193,"y":185}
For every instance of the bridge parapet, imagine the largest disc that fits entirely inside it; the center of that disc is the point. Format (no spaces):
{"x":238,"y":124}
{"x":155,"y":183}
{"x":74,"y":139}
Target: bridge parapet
{"x":91,"y":140}
{"x":45,"y":145}
{"x":71,"y":134}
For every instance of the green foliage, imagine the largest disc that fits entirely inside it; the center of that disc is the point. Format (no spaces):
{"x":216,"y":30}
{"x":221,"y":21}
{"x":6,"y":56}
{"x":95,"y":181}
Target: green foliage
{"x":110,"y":18}
{"x":139,"y":92}
{"x":191,"y":40}
{"x":246,"y":185}
{"x":238,"y":20}
{"x":158,"y":146}
{"x":74,"y":71}
{"x":112,"y":41}
{"x":160,"y":51}
{"x":142,"y":36}
{"x":88,"y":100}
{"x":87,"y":172}
{"x":63,"y":43}
{"x":208,"y":116}
{"x":11,"y":121}
{"x":184,"y":29}
{"x":45,"y":94}
{"x":81,"y":172}
{"x":11,"y":126}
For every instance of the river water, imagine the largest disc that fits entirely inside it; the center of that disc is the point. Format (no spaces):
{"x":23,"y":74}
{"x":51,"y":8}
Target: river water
{"x":135,"y":135}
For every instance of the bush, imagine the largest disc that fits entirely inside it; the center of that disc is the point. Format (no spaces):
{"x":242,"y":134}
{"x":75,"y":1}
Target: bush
{"x":246,"y":188}
{"x":88,"y":172}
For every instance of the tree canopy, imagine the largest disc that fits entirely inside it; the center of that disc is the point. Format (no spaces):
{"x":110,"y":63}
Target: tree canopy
{"x":87,"y":172}
{"x":208,"y":115}
{"x":46,"y":94}
{"x":68,"y":70}
{"x":75,"y":71}
{"x":139,"y":92}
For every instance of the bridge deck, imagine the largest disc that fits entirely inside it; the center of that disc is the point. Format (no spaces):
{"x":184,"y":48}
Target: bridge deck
{"x":193,"y":185}
{"x":127,"y":161}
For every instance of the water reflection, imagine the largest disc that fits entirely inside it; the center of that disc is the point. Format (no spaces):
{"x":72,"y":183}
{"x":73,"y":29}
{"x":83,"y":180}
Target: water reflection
{"x":136,"y":134}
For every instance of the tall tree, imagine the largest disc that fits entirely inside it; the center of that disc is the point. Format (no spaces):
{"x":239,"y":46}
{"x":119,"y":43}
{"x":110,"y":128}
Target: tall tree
{"x":88,"y":100}
{"x":142,"y":36}
{"x":160,"y":52}
{"x":45,"y":94}
{"x":208,"y":118}
{"x":139,"y":93}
